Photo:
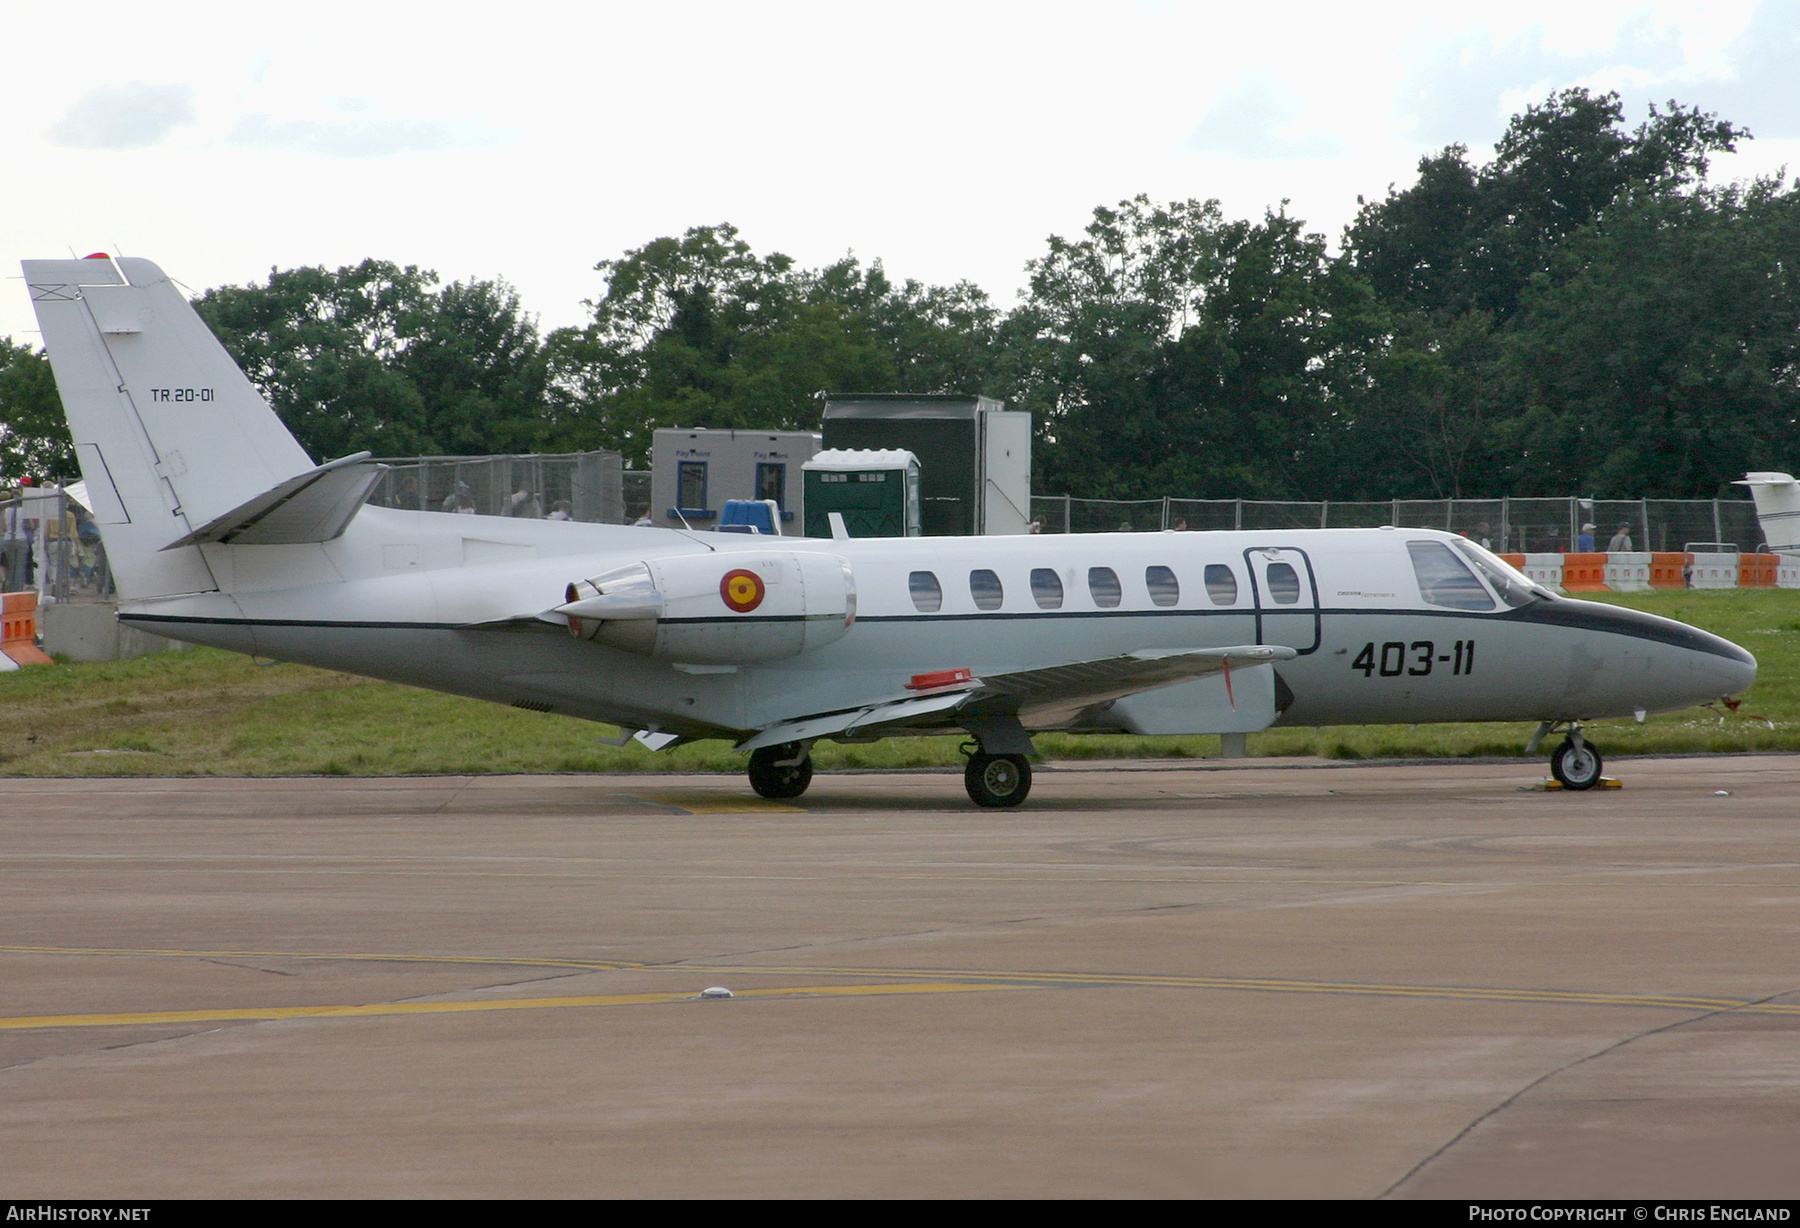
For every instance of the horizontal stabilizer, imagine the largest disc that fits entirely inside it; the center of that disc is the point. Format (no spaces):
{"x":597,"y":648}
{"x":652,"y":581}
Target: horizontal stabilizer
{"x":316,"y":506}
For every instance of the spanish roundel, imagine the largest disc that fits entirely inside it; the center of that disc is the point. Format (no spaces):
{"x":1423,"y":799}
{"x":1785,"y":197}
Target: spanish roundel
{"x":741,"y":590}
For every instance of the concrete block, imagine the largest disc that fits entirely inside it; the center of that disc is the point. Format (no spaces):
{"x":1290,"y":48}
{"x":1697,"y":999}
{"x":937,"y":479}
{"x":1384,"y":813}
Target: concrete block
{"x":90,"y":631}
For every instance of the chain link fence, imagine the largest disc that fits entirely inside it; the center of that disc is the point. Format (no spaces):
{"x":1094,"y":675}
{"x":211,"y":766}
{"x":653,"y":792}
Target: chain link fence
{"x":1522,"y":526}
{"x":584,"y":486}
{"x":49,"y":541}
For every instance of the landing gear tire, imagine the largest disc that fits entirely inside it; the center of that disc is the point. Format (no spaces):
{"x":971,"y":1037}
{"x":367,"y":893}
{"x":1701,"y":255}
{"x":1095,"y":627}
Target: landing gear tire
{"x":1576,"y":766}
{"x":773,"y":772}
{"x":997,"y":780}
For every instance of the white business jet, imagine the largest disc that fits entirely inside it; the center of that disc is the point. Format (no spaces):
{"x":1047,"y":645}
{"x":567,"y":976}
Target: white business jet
{"x":221,"y":530}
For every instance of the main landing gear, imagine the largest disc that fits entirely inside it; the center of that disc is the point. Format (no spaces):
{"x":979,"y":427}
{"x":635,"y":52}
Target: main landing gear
{"x":1576,"y":763}
{"x":786,"y":770}
{"x":781,"y":771}
{"x":996,"y":780}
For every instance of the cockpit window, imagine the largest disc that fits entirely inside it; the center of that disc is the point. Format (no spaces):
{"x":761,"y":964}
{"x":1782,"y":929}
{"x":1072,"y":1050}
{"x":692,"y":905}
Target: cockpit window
{"x":927,"y":594}
{"x":1514,"y":589}
{"x":1444,"y":579}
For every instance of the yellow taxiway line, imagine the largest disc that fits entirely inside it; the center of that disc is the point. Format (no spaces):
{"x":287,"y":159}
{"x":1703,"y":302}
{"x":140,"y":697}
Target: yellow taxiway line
{"x":890,"y":981}
{"x":367,"y":1010}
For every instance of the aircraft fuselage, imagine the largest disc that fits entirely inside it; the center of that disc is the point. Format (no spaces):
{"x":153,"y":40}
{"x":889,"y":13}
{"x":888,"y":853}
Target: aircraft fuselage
{"x":400,"y":596}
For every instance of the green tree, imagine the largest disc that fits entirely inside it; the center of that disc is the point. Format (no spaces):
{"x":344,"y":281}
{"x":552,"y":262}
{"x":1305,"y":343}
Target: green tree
{"x":375,"y":357}
{"x":1463,"y":238}
{"x":1432,"y":416}
{"x":701,"y":331}
{"x":1172,"y":351}
{"x":34,"y":435}
{"x":1661,"y":356}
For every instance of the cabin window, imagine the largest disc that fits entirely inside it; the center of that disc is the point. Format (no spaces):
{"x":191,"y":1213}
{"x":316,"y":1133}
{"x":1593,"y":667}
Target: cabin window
{"x":1103,"y":586}
{"x":1221,"y":584}
{"x":984,"y":586}
{"x":1046,"y":588}
{"x":1284,"y":583}
{"x":1444,"y":579}
{"x":927,"y":594}
{"x":1164,"y":588}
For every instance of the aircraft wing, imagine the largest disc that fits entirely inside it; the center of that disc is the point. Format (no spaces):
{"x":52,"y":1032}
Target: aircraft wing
{"x":1055,"y":693}
{"x":894,"y":713}
{"x":1046,"y":696}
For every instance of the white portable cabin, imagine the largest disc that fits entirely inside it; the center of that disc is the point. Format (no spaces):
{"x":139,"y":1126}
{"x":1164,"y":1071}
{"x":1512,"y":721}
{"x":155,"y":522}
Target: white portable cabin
{"x":694,"y":472}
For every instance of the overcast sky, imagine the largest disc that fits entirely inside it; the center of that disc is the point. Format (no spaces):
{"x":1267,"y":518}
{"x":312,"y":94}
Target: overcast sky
{"x":529,"y":141}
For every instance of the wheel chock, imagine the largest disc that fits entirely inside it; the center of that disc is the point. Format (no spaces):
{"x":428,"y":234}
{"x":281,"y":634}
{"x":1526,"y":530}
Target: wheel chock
{"x":1552,"y":785}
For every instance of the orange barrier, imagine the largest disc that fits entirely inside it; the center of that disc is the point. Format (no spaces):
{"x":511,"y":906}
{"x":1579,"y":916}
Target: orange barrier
{"x":1515,"y":561}
{"x":20,"y":621}
{"x":1666,"y":569}
{"x":1584,"y":572}
{"x":1757,"y":570}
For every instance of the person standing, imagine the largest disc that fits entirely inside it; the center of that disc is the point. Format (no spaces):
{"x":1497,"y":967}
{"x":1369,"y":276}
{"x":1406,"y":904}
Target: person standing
{"x":16,"y":533}
{"x":1584,"y":541}
{"x":1621,"y":541}
{"x":524,"y":504}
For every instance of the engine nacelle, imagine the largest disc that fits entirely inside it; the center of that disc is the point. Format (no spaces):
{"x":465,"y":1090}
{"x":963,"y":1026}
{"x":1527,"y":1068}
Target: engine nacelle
{"x":735,"y":608}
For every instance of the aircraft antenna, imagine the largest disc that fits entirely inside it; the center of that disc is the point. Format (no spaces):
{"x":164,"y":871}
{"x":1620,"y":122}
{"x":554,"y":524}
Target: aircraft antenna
{"x":690,"y":528}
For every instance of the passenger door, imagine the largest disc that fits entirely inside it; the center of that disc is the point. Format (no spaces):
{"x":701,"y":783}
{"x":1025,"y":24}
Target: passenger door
{"x":1287,"y":597}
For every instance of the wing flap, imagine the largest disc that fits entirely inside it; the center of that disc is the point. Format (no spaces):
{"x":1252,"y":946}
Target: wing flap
{"x":897,"y":712}
{"x":1055,"y":694}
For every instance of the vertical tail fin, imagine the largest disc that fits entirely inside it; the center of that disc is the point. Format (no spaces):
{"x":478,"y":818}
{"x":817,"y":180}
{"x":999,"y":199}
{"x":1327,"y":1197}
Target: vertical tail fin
{"x":1777,"y":498}
{"x":170,"y":433}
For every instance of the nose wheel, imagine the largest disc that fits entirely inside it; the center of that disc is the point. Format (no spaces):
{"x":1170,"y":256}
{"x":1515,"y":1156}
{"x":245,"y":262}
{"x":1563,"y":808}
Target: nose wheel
{"x":1576,"y":764}
{"x":781,"y":771}
{"x":997,"y":780}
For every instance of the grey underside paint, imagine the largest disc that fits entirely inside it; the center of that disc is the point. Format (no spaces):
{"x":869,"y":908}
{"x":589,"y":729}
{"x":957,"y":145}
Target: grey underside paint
{"x":1522,"y":670}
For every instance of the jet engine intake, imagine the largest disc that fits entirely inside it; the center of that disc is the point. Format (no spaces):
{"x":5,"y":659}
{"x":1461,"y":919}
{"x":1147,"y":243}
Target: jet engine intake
{"x":736,"y":608}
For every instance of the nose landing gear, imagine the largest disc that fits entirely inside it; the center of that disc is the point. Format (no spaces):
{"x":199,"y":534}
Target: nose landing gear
{"x":1576,"y":763}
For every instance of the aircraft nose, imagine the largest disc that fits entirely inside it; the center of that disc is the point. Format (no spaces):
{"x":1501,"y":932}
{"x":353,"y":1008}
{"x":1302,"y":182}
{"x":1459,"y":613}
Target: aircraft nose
{"x":1709,"y":665}
{"x":1677,"y":665}
{"x":1736,"y":672}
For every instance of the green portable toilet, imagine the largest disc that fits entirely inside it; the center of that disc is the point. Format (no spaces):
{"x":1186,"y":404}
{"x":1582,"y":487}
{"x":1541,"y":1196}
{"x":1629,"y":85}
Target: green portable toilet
{"x":876,"y":491}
